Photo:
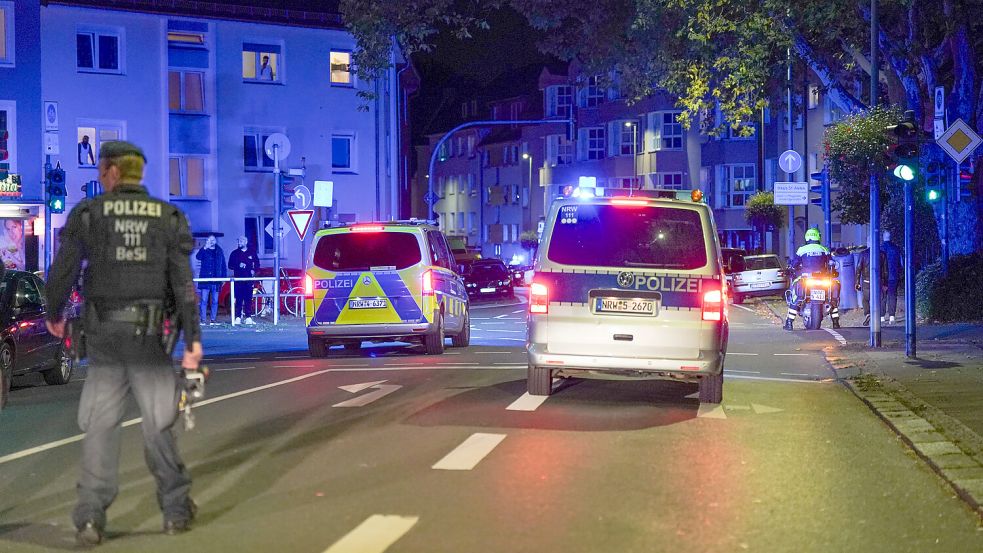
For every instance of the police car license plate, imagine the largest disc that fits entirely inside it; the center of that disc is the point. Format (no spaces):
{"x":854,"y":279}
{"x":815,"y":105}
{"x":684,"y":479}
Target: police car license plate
{"x":374,"y":303}
{"x":622,"y":305}
{"x":818,"y":295}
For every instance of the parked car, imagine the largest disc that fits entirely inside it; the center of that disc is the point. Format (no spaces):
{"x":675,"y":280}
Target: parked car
{"x":25,"y":343}
{"x":762,"y":276}
{"x":488,"y":278}
{"x":733,"y":259}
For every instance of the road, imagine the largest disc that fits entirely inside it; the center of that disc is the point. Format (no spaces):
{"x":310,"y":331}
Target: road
{"x":395,"y":451}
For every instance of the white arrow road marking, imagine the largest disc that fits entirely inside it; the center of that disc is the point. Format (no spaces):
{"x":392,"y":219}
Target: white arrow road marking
{"x":381,"y":390}
{"x":467,"y":455}
{"x":356,"y":388}
{"x":763,"y":409}
{"x":711,"y":411}
{"x":374,"y":535}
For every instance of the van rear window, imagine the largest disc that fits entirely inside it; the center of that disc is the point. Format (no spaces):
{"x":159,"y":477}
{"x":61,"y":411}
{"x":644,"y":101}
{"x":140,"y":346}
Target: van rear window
{"x":361,"y":251}
{"x":628,"y":236}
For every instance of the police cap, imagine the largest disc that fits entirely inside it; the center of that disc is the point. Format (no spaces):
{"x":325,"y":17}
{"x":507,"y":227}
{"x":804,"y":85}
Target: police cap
{"x":120,"y":148}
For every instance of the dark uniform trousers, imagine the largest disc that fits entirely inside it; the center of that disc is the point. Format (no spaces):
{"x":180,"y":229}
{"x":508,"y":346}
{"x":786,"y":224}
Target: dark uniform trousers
{"x":119,"y":363}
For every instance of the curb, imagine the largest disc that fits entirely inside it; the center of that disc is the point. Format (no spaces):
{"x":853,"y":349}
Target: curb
{"x":962,"y":472}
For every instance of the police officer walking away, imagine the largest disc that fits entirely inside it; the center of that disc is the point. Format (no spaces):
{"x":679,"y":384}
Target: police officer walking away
{"x":137,"y":252}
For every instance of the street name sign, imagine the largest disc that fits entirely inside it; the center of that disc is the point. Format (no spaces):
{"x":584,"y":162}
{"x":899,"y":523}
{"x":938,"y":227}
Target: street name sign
{"x":959,"y":141}
{"x":301,"y":220}
{"x":323,"y":193}
{"x":791,"y":193}
{"x":790,"y":161}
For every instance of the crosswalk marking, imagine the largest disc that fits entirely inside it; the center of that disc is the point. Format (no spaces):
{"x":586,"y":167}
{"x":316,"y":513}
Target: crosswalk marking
{"x":374,"y":535}
{"x":467,"y":455}
{"x":527,"y":402}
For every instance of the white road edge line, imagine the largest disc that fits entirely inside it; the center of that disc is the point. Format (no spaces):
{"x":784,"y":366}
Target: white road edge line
{"x":774,"y":379}
{"x":735,"y":353}
{"x":374,"y":535}
{"x":471,"y":451}
{"x":839,"y":337}
{"x":792,"y":354}
{"x":748,"y":309}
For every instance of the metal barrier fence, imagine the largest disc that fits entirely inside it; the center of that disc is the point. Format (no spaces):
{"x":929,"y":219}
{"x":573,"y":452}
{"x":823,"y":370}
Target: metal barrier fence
{"x":295,"y":293}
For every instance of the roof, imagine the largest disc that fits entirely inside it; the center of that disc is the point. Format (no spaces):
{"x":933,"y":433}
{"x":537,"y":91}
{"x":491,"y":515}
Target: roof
{"x":301,"y":13}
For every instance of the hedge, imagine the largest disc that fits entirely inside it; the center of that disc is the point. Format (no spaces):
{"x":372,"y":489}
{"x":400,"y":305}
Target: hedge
{"x":955,"y":297}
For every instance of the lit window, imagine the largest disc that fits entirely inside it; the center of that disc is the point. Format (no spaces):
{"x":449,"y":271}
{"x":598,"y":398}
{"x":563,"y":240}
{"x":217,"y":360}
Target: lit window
{"x":185,"y":39}
{"x":91,"y":137}
{"x":187,"y":177}
{"x":740,"y":183}
{"x":6,"y":34}
{"x":341,"y":68}
{"x":342,"y":152}
{"x":98,"y":51}
{"x":185,"y":91}
{"x":261,"y":63}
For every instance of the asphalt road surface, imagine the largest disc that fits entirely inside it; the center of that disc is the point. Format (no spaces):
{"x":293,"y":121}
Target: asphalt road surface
{"x":392,"y":450}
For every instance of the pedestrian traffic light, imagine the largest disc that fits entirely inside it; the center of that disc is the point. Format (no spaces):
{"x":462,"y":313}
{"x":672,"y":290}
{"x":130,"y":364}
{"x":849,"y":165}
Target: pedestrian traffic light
{"x":56,"y":189}
{"x":902,"y":154}
{"x":964,"y":185}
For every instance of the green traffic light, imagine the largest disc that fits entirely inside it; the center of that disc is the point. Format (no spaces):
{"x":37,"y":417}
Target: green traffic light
{"x":904,"y":172}
{"x":933,"y":194}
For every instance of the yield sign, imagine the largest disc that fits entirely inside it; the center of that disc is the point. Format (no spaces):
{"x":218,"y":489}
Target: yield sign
{"x":959,"y":140}
{"x":301,"y":220}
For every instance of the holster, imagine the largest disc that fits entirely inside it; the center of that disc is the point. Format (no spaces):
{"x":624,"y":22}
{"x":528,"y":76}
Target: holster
{"x":146,"y":318}
{"x":75,"y":339}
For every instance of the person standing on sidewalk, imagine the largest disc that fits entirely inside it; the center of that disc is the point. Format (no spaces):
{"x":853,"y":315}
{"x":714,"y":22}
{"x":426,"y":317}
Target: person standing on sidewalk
{"x":244,"y":263}
{"x":212,"y":260}
{"x":892,"y":270}
{"x":136,"y":250}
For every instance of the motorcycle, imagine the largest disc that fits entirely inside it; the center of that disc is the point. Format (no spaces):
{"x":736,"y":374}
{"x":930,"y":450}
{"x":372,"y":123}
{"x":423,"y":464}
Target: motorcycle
{"x":814,"y":295}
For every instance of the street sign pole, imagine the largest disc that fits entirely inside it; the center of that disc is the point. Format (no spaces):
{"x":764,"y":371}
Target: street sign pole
{"x":47,"y":218}
{"x":945,"y":222}
{"x":909,"y":269}
{"x":277,"y":201}
{"x":827,"y":208}
{"x":875,"y":260}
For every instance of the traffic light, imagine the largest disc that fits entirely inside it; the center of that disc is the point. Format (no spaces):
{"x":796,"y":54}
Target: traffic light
{"x":56,"y":190}
{"x":816,"y":187}
{"x":964,"y":186}
{"x":903,"y":152}
{"x":934,"y":181}
{"x":287,"y":185}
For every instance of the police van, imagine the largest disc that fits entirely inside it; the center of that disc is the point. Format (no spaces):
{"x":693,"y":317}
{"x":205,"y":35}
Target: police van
{"x":383,"y":282}
{"x":629,"y":287}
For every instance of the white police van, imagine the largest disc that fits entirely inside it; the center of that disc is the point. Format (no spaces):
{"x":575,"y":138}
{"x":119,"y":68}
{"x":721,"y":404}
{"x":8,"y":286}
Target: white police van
{"x":629,"y":287}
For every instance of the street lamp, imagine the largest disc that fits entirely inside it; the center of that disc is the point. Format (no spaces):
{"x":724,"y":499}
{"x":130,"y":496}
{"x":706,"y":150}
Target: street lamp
{"x":528,"y":209}
{"x":634,"y":153}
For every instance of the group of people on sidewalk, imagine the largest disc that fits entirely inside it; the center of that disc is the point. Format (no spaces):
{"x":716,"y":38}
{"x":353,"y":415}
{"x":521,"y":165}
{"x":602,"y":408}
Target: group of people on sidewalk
{"x":243,"y":262}
{"x":891,"y":264}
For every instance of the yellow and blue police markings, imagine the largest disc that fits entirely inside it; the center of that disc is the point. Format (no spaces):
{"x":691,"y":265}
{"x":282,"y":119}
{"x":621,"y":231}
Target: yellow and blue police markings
{"x":401,"y":290}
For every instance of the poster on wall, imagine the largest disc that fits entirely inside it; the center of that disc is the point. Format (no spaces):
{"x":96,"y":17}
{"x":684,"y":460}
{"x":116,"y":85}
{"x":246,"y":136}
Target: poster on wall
{"x":12,"y":244}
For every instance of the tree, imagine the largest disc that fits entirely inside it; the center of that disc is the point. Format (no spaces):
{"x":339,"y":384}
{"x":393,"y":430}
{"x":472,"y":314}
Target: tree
{"x":730,"y":53}
{"x":529,"y":240}
{"x":761,"y":213}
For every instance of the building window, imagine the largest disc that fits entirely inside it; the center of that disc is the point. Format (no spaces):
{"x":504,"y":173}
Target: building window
{"x":255,"y":230}
{"x":6,"y":34}
{"x":262,"y":63}
{"x":470,"y":145}
{"x":8,"y":138}
{"x":91,"y":137}
{"x":623,"y":182}
{"x":628,"y":135}
{"x":185,"y":39}
{"x":733,"y":134}
{"x":559,"y":101}
{"x":98,"y":51}
{"x":460,"y":222}
{"x":342,"y":152}
{"x":472,"y":185}
{"x":591,"y":141}
{"x":591,"y":95}
{"x":341,"y":68}
{"x":187,"y":176}
{"x":461,"y":184}
{"x":253,"y":150}
{"x":672,"y":132}
{"x":559,"y":150}
{"x":739,"y":184}
{"x":472,"y":222}
{"x":669,"y":181}
{"x":186,"y":91}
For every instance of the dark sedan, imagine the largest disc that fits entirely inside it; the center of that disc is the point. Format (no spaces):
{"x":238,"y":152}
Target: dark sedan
{"x":488,"y":278}
{"x":25,"y":343}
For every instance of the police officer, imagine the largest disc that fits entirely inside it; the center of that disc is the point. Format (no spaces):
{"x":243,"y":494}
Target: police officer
{"x":137,"y":252}
{"x":811,"y":257}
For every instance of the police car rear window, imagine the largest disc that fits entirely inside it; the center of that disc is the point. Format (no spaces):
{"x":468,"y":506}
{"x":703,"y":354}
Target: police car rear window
{"x":362,"y":251}
{"x":628,"y":236}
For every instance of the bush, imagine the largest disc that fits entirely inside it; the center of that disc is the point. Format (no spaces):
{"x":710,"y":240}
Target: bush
{"x":949,"y":299}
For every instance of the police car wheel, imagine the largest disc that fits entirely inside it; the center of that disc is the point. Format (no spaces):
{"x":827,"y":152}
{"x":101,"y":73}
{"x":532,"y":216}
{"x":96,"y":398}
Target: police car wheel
{"x":463,"y":338}
{"x":317,"y":347}
{"x":433,"y":344}
{"x":62,"y":370}
{"x":539,"y":381}
{"x":712,"y":388}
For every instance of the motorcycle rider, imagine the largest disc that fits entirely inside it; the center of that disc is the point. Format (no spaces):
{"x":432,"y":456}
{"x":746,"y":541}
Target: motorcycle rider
{"x":812,"y":257}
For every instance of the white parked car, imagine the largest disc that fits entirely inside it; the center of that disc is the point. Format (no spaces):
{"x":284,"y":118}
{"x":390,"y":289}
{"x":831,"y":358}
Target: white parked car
{"x":763,"y":275}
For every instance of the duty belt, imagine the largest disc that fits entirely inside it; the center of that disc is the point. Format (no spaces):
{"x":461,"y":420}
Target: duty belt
{"x":146,"y":318}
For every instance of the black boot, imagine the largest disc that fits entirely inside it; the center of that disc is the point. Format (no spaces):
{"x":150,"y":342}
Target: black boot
{"x":174,"y":527}
{"x":836,"y":322}
{"x":89,"y":535}
{"x":788,"y":324}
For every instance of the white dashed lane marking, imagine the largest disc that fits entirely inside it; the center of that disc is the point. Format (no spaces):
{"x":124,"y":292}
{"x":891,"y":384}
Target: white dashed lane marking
{"x":467,"y":455}
{"x":374,"y":535}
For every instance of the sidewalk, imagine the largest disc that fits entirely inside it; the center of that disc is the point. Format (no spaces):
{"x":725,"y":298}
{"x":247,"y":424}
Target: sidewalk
{"x":934,"y":402}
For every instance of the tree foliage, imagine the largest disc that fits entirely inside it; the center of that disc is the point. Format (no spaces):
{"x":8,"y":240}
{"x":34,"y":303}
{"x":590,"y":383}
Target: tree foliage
{"x":761,"y":211}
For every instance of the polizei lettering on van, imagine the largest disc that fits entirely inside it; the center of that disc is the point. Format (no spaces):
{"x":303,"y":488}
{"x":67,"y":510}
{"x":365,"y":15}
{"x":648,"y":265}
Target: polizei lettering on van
{"x":667,"y":283}
{"x":328,"y":284}
{"x":137,"y":208}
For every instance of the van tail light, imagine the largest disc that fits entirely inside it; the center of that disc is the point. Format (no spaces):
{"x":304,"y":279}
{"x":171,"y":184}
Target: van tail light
{"x":308,"y":287}
{"x":428,"y":283}
{"x":713,"y":305}
{"x":539,"y":299}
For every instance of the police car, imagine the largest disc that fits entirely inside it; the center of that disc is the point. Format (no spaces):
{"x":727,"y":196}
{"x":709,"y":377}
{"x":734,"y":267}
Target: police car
{"x":629,"y":287}
{"x":382,"y":282}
